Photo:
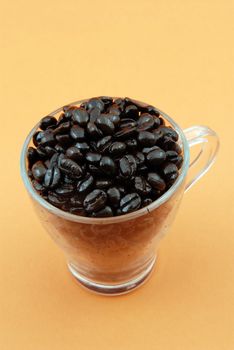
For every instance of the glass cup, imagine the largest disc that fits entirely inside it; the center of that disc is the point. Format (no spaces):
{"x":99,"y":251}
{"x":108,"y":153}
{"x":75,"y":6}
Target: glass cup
{"x":117,"y":254}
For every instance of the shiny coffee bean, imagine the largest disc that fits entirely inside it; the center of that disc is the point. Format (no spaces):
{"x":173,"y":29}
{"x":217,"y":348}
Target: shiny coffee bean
{"x":80,"y":116}
{"x":62,"y":119}
{"x":85,"y":185}
{"x":68,"y":110}
{"x":177,"y":148}
{"x":120,"y":103}
{"x":146,"y":122}
{"x":32,"y":156}
{"x":94,"y":114}
{"x":169,"y":132}
{"x":128,"y":166}
{"x":130,"y":202}
{"x":115,"y":119}
{"x":48,"y":138}
{"x":82,"y":146}
{"x":95,"y":103}
{"x":77,"y":211}
{"x":50,"y":151}
{"x":107,"y":100}
{"x":95,"y":201}
{"x":107,"y":166}
{"x":158,"y":134}
{"x":117,"y":148}
{"x":38,"y":170}
{"x":71,"y":168}
{"x":93,"y":130}
{"x":146,"y":138}
{"x":65,"y":190}
{"x":68,"y":181}
{"x":59,"y":148}
{"x":56,"y":201}
{"x":103,"y":184}
{"x":77,"y":133}
{"x":141,"y":186}
{"x":156,"y":157}
{"x":76,"y":201}
{"x":52,"y":177}
{"x":38,"y":186}
{"x":121,"y":189}
{"x":146,"y":150}
{"x":140,"y":158}
{"x":63,"y":139}
{"x":47,"y":122}
{"x":172,"y":156}
{"x":170,"y":172}
{"x":93,"y":158}
{"x":63,"y":128}
{"x":74,"y":153}
{"x":156,"y":181}
{"x":125,"y":133}
{"x":47,"y":163}
{"x":42,"y":152}
{"x":105,"y":125}
{"x":93,"y":146}
{"x":151,"y":110}
{"x":162,"y":121}
{"x":113,"y":196}
{"x":95,"y":170}
{"x":114,"y":109}
{"x":37,"y":137}
{"x":146,"y":201}
{"x":131,"y":145}
{"x":131,"y":111}
{"x":104,"y":143}
{"x":103,"y":213}
{"x":127,"y":123}
{"x":53,"y":160}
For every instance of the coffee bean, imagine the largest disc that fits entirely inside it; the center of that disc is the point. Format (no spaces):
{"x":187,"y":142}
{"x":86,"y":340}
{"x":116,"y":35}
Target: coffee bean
{"x":53,"y":160}
{"x":170,"y":172}
{"x":59,"y":148}
{"x":38,"y":186}
{"x":177,"y":148}
{"x":127,"y":123}
{"x":115,"y":119}
{"x":156,"y":181}
{"x":146,"y":150}
{"x":50,"y":151}
{"x":30,"y":174}
{"x":114,"y":196}
{"x":107,"y":165}
{"x":156,"y":157}
{"x":77,"y":133}
{"x":85,"y":185}
{"x":63,"y":128}
{"x":74,"y":153}
{"x":120,"y":103}
{"x":131,"y":145}
{"x":32,"y":156}
{"x":140,"y":158}
{"x":47,"y":122}
{"x":48,"y":138}
{"x":125,"y":133}
{"x":117,"y":148}
{"x":82,"y":146}
{"x":131,"y":111}
{"x":95,"y":201}
{"x":128,"y":166}
{"x":104,"y":143}
{"x":158,"y":134}
{"x":145,"y":122}
{"x":52,"y":177}
{"x":93,"y":158}
{"x":76,"y":201}
{"x":38,"y":170}
{"x":172,"y":156}
{"x":93,"y":130}
{"x":114,"y":109}
{"x":95,"y":170}
{"x":103,"y":213}
{"x":65,"y":190}
{"x":68,"y":110}
{"x":94,"y":114}
{"x":63,"y":139}
{"x":80,"y":116}
{"x":77,"y":211}
{"x":151,"y":110}
{"x":37,"y":137}
{"x":146,"y":138}
{"x":169,"y":132}
{"x":105,"y":124}
{"x":130,"y":202}
{"x":141,"y":186}
{"x":95,"y":103}
{"x":42,"y":152}
{"x":146,"y":201}
{"x":56,"y":201}
{"x":71,"y":168}
{"x":68,"y":181}
{"x":103,"y":184}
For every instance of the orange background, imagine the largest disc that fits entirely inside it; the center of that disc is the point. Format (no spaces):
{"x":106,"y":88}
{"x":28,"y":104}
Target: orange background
{"x":177,"y":55}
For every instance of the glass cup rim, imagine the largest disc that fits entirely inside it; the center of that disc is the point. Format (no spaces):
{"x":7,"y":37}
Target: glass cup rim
{"x":109,"y":220}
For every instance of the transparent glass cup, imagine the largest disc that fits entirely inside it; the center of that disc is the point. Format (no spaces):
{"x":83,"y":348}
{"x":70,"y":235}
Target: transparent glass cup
{"x":117,"y":254}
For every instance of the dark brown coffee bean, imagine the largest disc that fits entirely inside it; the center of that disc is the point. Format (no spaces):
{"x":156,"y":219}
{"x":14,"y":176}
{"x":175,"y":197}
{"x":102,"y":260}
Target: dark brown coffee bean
{"x":103,"y":213}
{"x":76,"y":201}
{"x":114,"y":109}
{"x":93,"y":130}
{"x":127,"y":123}
{"x":93,"y":169}
{"x":94,"y":114}
{"x":63,"y":139}
{"x":172,"y":156}
{"x":131,"y":145}
{"x":146,"y":150}
{"x":146,"y":201}
{"x":120,"y":103}
{"x":130,"y":202}
{"x":82,"y":146}
{"x":169,"y":132}
{"x":117,"y":148}
{"x":105,"y":124}
{"x":146,"y":122}
{"x":103,"y":184}
{"x":128,"y":166}
{"x":107,"y":100}
{"x":104,"y":143}
{"x":156,"y":157}
{"x":65,"y":190}
{"x":93,"y":158}
{"x":80,"y":116}
{"x":146,"y":138}
{"x":62,"y":119}
{"x":151,"y":110}
{"x":107,"y":166}
{"x":77,"y":211}
{"x":140,"y":158}
{"x":38,"y":186}
{"x":156,"y":181}
{"x":48,"y":138}
{"x":47,"y":122}
{"x":177,"y":148}
{"x":74,"y":153}
{"x":52,"y":177}
{"x":37,"y":137}
{"x":95,"y":103}
{"x":71,"y":168}
{"x":30,"y":174}
{"x":158,"y":134}
{"x":85,"y":185}
{"x":39,"y":170}
{"x":115,"y":119}
{"x":63,"y":128}
{"x":50,"y":151}
{"x":131,"y":111}
{"x":95,"y":201}
{"x":42,"y":152}
{"x":32,"y":156}
{"x":125,"y":133}
{"x":170,"y":172}
{"x":59,"y":148}
{"x":56,"y":201}
{"x":113,"y":196}
{"x":68,"y":181}
{"x":77,"y":133}
{"x":141,"y":186}
{"x":53,"y":160}
{"x":68,"y":110}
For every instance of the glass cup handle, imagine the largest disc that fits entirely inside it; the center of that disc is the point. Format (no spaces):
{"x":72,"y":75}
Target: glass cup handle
{"x":204,"y":159}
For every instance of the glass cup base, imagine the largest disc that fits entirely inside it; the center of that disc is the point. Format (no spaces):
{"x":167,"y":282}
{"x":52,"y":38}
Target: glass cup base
{"x":113,"y":289}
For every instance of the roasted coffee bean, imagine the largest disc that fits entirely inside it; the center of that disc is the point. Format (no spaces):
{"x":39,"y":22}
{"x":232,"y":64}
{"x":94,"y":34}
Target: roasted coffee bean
{"x":146,"y":150}
{"x":76,"y":201}
{"x":156,"y":157}
{"x":125,"y":133}
{"x":68,"y":181}
{"x":122,"y":190}
{"x":105,"y":124}
{"x":95,"y":201}
{"x":82,"y":146}
{"x":146,"y":138}
{"x":68,"y":110}
{"x":114,"y":109}
{"x":130,"y":202}
{"x":47,"y":122}
{"x":50,"y":151}
{"x":37,"y":137}
{"x":151,"y":110}
{"x":42,"y":152}
{"x":146,"y":122}
{"x":38,"y":170}
{"x":177,"y":148}
{"x":47,"y":163}
{"x":142,"y":186}
{"x":131,"y":145}
{"x":107,"y":165}
{"x":131,"y":111}
{"x":94,"y":114}
{"x":170,"y":172}
{"x":56,"y":201}
{"x":53,"y":160}
{"x":95,"y":170}
{"x":156,"y":181}
{"x":104,"y":143}
{"x":38,"y":186}
{"x":117,"y":148}
{"x":32,"y":156}
{"x":63,"y":139}
{"x":62,"y":119}
{"x":80,"y":116}
{"x":127,"y":123}
{"x":146,"y":201}
{"x":63,"y":128}
{"x":120,"y":103}
{"x":107,"y":100}
{"x":52,"y":177}
{"x":95,"y":103}
{"x":113,"y":196}
{"x":93,"y":146}
{"x":172,"y":156}
{"x":77,"y":133}
{"x":158,"y":134}
{"x":140,"y":158}
{"x":162,"y":122}
{"x":59,"y":148}
{"x":30,"y":174}
{"x":85,"y":185}
{"x":71,"y":168}
{"x":93,"y":158}
{"x":48,"y":138}
{"x":115,"y":119}
{"x":167,"y":131}
{"x":103,"y":213}
{"x":103,"y":184}
{"x":93,"y":130}
{"x":77,"y":211}
{"x":74,"y":153}
{"x":128,"y":166}
{"x":60,"y":157}
{"x":65,"y":190}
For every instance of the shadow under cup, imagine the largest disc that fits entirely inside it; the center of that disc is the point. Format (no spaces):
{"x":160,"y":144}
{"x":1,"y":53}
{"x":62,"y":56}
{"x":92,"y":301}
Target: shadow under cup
{"x":111,"y":255}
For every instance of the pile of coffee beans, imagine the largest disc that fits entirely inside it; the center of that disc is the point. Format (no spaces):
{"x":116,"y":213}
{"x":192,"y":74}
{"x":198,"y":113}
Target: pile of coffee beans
{"x":106,"y":157}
